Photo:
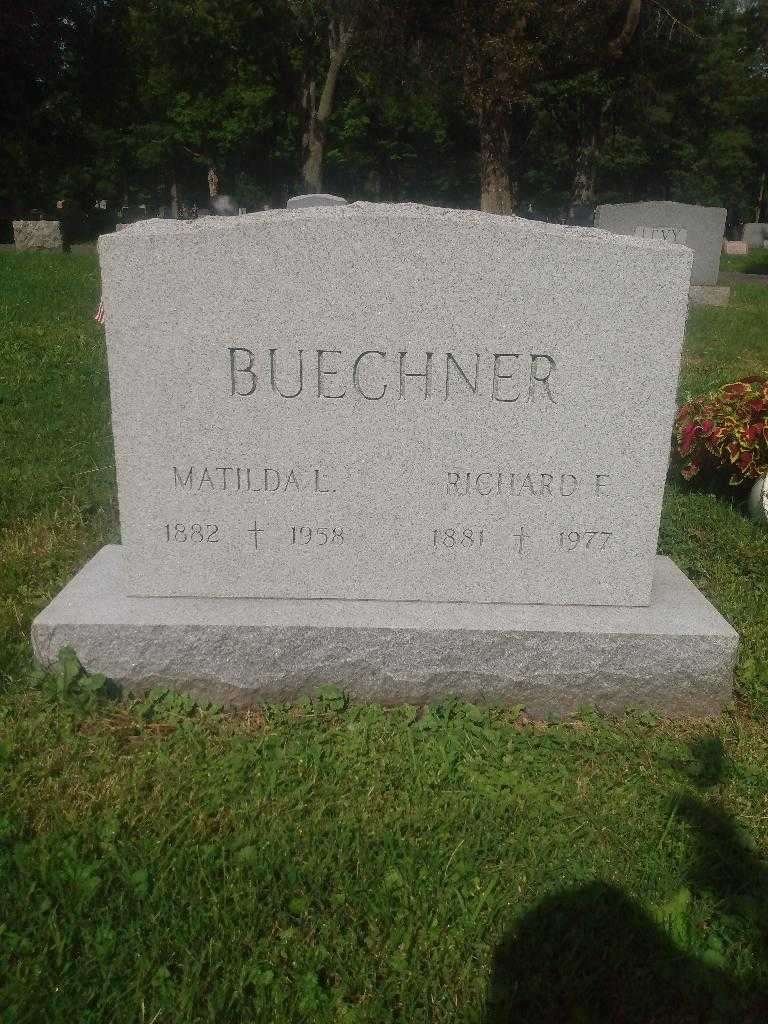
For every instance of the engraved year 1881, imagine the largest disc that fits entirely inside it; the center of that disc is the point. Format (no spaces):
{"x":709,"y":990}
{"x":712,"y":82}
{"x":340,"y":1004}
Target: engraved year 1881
{"x":457,"y":537}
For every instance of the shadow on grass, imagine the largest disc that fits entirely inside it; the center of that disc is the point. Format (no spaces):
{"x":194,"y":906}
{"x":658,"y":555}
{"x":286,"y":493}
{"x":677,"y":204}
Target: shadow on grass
{"x":592,"y":955}
{"x":756,"y":263}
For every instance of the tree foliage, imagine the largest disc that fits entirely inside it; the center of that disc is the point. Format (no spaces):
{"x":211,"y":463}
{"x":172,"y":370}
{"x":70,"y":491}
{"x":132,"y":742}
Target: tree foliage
{"x":508,"y":104}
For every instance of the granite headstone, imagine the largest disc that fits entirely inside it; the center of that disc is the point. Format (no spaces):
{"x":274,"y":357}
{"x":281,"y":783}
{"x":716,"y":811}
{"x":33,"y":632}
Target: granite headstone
{"x":354,"y":402}
{"x":31,"y":235}
{"x":699,"y":227}
{"x":755,"y":235}
{"x":393,"y":448}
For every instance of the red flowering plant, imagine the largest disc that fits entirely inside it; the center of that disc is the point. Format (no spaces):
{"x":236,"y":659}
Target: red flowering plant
{"x":722,"y":436}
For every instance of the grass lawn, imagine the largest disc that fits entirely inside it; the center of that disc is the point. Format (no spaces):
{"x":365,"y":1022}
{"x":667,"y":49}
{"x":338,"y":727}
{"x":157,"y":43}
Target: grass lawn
{"x":163,"y":863}
{"x":754,"y":262}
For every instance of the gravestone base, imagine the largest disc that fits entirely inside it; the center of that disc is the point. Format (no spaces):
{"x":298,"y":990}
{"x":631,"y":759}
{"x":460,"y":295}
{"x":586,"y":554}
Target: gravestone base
{"x":676,"y":656}
{"x":709,"y":295}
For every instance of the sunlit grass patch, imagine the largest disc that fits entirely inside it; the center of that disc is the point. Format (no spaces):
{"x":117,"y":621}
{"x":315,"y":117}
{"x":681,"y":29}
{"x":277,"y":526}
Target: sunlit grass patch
{"x":167,"y":861}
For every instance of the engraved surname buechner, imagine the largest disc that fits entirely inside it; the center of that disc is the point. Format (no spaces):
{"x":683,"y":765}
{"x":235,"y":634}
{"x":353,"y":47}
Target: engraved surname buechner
{"x":375,"y":374}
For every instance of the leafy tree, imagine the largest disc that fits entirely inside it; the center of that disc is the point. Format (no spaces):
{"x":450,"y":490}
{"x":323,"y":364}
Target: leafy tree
{"x":206,"y":83}
{"x":682,"y":110}
{"x":755,"y":107}
{"x":58,"y":73}
{"x":509,"y":47}
{"x":562,"y":104}
{"x":323,"y":31}
{"x":400,"y":130}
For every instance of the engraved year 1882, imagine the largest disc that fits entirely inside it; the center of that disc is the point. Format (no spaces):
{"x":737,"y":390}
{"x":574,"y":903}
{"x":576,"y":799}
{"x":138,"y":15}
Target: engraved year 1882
{"x":195,"y":533}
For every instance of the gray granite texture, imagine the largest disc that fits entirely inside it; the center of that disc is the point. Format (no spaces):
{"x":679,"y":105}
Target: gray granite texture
{"x":754,"y":235}
{"x":699,"y":227}
{"x":676,"y":656}
{"x":391,"y":403}
{"x":314,"y":199}
{"x":709,"y":295}
{"x":37,"y":234}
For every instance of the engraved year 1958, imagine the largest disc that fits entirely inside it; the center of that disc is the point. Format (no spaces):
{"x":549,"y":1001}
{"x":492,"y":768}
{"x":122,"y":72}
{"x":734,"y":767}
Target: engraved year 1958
{"x":317,"y":536}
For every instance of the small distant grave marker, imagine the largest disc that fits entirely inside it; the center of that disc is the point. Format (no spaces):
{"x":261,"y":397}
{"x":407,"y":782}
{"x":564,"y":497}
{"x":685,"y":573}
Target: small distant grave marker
{"x":32,"y":235}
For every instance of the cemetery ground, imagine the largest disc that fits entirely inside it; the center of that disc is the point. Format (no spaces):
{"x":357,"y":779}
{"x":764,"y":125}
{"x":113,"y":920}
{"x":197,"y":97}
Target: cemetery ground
{"x":164,"y":862}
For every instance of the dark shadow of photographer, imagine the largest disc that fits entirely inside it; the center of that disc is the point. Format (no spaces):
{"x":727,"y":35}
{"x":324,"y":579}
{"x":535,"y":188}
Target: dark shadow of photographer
{"x":592,"y":954}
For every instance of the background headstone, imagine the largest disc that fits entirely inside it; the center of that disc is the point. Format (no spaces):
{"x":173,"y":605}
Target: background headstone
{"x":130,"y":214}
{"x":699,"y":227}
{"x":224,"y":206}
{"x":37,"y":234}
{"x":315,"y":199}
{"x":735,"y":248}
{"x":391,"y":402}
{"x":755,"y":235}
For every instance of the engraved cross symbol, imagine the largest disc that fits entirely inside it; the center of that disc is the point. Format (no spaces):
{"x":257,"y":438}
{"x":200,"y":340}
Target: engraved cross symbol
{"x":256,"y":530}
{"x":521,"y":536}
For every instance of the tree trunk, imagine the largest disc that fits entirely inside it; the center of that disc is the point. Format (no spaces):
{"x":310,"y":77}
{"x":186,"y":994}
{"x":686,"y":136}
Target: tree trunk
{"x":583,"y":193}
{"x":173,"y":190}
{"x":318,"y":112}
{"x":617,"y":46}
{"x":312,"y":142}
{"x":496,"y":194}
{"x":373,"y":184}
{"x":213,"y":181}
{"x":760,"y":199}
